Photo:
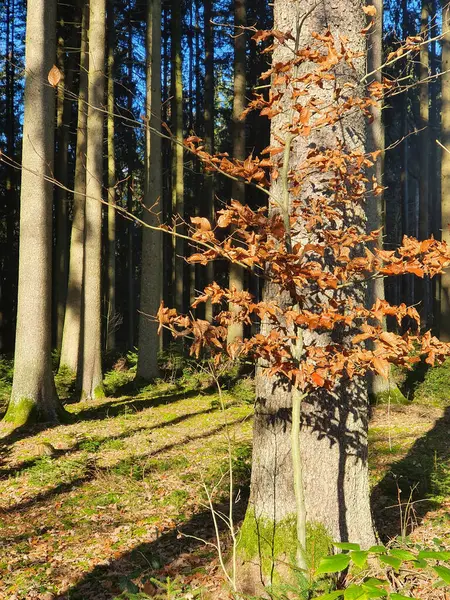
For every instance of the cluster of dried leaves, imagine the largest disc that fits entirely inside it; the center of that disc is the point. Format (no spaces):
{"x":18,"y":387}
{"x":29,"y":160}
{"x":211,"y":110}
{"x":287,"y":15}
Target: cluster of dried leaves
{"x":317,"y":255}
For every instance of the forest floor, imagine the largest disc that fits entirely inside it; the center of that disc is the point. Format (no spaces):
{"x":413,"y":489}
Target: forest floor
{"x":110,"y":513}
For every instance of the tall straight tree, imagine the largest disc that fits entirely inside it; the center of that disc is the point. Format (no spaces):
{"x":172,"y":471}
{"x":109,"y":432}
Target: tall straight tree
{"x":151,"y":278}
{"x":72,"y":330}
{"x":177,"y":151}
{"x":33,"y":393}
{"x":92,"y":358}
{"x":331,"y":473}
{"x":111,"y":291}
{"x":445,"y":168}
{"x":236,"y":279}
{"x":208,"y":189}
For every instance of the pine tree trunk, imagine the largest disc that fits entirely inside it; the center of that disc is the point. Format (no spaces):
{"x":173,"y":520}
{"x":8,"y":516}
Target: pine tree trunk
{"x":236,"y":277}
{"x":151,"y":278}
{"x":177,"y":154}
{"x":333,"y":436}
{"x":130,"y":165}
{"x":445,"y":169}
{"x":72,"y":330}
{"x":111,"y":322}
{"x":92,"y":367}
{"x":33,"y":394}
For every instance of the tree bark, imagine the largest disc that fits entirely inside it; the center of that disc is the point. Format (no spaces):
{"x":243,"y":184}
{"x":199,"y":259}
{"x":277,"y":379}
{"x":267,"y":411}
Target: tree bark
{"x":72,"y":330}
{"x":111,"y":320}
{"x":208,"y":188}
{"x":236,"y":276}
{"x":92,"y":386}
{"x":333,"y":437}
{"x":33,"y":394}
{"x":151,"y":278}
{"x":177,"y":155}
{"x":445,"y":169}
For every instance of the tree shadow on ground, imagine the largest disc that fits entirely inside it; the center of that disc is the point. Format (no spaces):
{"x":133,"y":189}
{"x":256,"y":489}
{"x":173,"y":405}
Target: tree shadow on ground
{"x":5,"y":473}
{"x":130,"y":404}
{"x":146,"y":560}
{"x":423,"y":475}
{"x":92,"y":470}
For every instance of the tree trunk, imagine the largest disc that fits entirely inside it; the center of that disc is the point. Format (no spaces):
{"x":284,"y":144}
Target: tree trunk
{"x":72,"y":330}
{"x":208,"y":188}
{"x":445,"y":169}
{"x":61,"y":262}
{"x":130,"y":165}
{"x":111,"y":321}
{"x":33,"y":393}
{"x":177,"y":154}
{"x":92,"y":367}
{"x":333,"y":438}
{"x":151,"y":278}
{"x":236,"y":277}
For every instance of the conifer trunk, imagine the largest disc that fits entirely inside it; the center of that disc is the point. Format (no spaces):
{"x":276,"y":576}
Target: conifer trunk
{"x":111,"y":308}
{"x":445,"y":169}
{"x":33,"y":394}
{"x":72,"y":330}
{"x":92,"y":367}
{"x":151,"y":278}
{"x":177,"y":154}
{"x":236,"y":277}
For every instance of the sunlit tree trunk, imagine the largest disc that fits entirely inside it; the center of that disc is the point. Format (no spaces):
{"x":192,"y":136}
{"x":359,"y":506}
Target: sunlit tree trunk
{"x":333,"y":433}
{"x":111,"y":291}
{"x":130,"y":156}
{"x":236,"y":279}
{"x":33,"y":394}
{"x":151,"y":278}
{"x":72,"y":330}
{"x":177,"y":153}
{"x":61,"y":262}
{"x":208,"y":188}
{"x":92,"y":365}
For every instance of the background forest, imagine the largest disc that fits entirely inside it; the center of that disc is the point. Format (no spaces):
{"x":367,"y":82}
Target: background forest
{"x":215,"y":379}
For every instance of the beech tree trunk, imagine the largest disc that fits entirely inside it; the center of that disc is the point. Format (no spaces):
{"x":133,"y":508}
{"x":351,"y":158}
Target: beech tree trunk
{"x":236,"y":278}
{"x":92,"y":386}
{"x":333,"y":433}
{"x":151,"y":278}
{"x":72,"y":330}
{"x":33,"y":394}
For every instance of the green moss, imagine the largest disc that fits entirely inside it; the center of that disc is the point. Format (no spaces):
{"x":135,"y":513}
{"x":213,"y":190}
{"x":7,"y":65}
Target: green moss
{"x":274,"y":546}
{"x":21,"y":412}
{"x":99,"y":392}
{"x":391,"y":396}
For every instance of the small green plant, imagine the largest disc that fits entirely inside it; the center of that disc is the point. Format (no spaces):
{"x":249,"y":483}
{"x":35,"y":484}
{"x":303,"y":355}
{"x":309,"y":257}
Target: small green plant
{"x":244,"y":390}
{"x":65,"y":382}
{"x":6,"y":377}
{"x":362,"y":585}
{"x":435,"y":387}
{"x":115,"y":381}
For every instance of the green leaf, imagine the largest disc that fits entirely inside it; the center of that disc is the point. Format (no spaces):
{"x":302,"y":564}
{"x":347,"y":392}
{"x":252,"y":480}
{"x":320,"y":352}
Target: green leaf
{"x":333,"y":564}
{"x":399,"y":597}
{"x":331,"y":595}
{"x":373,"y":589}
{"x":403,"y":554}
{"x":391,"y":561}
{"x":444,"y":573}
{"x":359,"y":558}
{"x":377,"y":549}
{"x":375,"y":583}
{"x":355,"y":592}
{"x":436,"y":555}
{"x":347,"y":546}
{"x":420,"y":563}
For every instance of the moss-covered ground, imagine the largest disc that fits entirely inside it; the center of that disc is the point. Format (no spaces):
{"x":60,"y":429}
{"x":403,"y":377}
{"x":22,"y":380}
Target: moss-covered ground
{"x":118,"y":505}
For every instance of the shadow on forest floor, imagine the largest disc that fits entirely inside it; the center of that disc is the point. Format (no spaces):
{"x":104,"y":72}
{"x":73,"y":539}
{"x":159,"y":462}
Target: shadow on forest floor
{"x":421,"y":479}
